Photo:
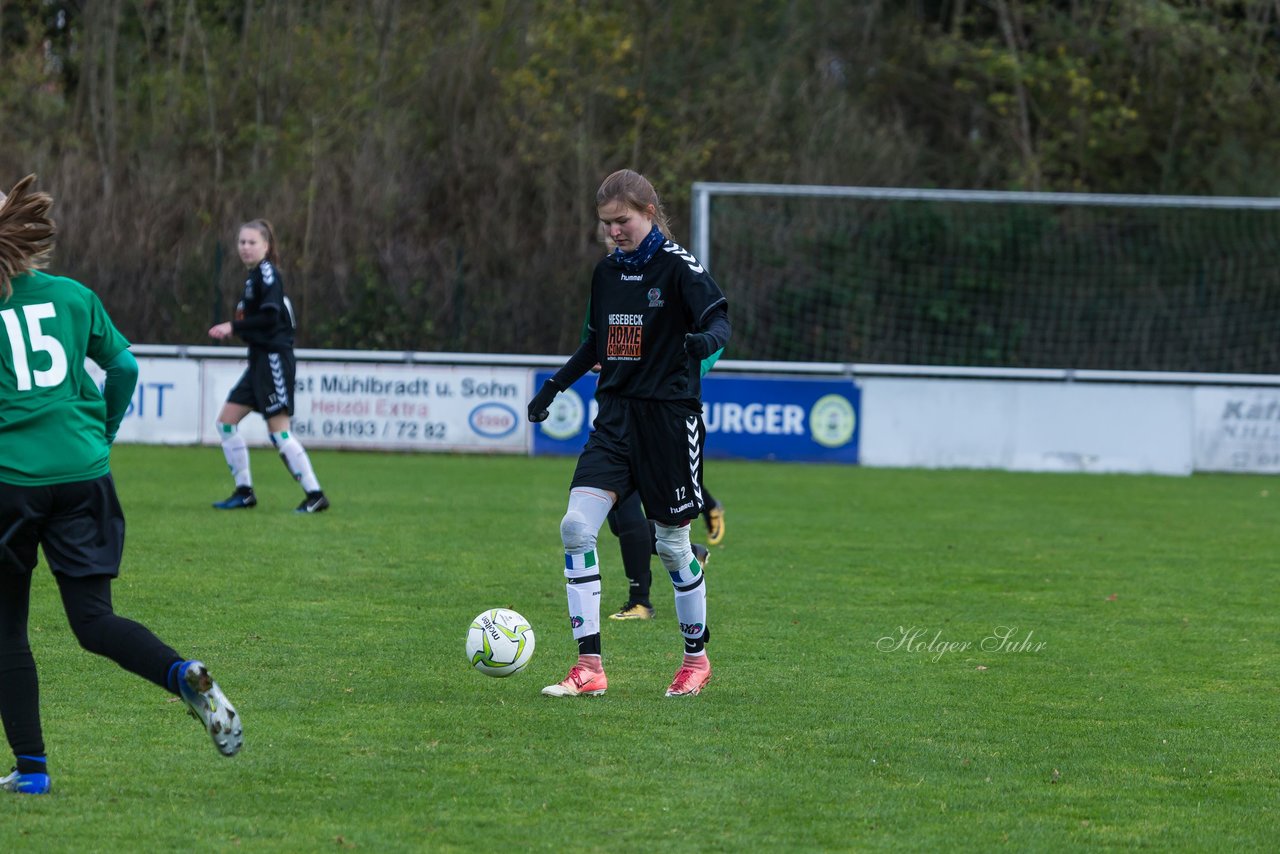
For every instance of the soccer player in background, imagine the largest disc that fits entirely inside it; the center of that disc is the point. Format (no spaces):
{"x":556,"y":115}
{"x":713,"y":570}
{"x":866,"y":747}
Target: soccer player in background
{"x":264,"y":319}
{"x":655,"y":314}
{"x":57,"y":493}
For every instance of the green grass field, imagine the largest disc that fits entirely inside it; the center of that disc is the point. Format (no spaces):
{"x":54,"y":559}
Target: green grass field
{"x":861,"y":698}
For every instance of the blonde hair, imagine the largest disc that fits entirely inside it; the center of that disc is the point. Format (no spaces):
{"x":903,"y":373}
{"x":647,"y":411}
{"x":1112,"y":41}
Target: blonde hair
{"x":634,"y":191}
{"x":26,"y":233}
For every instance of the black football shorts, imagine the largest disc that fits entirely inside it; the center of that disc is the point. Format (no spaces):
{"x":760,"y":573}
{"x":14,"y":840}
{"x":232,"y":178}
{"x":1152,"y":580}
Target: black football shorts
{"x":266,"y":386}
{"x":79,"y":525}
{"x":653,"y":447}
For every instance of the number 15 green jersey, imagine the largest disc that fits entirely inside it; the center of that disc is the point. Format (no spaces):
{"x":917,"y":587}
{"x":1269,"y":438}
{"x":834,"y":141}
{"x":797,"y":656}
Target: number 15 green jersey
{"x":52,"y":415}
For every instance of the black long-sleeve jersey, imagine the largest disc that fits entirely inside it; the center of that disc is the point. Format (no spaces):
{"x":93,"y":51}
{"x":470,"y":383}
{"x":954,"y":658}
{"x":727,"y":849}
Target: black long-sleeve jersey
{"x":268,"y":321}
{"x":637,"y":322}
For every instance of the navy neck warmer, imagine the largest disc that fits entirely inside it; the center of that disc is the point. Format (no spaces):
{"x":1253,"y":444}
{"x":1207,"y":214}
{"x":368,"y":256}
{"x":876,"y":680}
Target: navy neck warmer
{"x":636,"y":259}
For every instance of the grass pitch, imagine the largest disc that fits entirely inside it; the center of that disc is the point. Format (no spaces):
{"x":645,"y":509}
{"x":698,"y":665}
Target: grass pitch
{"x":928,"y":660}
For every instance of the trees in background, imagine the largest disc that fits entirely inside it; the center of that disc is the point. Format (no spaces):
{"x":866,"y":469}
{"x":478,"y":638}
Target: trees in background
{"x":430,"y":167}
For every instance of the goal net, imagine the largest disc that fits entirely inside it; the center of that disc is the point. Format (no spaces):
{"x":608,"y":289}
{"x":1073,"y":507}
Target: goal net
{"x":1035,"y":280}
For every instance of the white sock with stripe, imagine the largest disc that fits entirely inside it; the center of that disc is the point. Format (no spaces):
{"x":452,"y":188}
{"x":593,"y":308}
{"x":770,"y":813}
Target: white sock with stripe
{"x":690,"y":585}
{"x":582,"y":589}
{"x":236,"y":453}
{"x":579,"y":528}
{"x":296,"y":460}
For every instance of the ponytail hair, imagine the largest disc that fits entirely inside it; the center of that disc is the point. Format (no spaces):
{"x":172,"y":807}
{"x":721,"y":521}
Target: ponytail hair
{"x":634,"y":191}
{"x":264,"y":228}
{"x":26,"y":233}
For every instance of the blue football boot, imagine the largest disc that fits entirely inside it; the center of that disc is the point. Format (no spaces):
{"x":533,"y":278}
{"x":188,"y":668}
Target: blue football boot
{"x":26,"y":784}
{"x":242,"y":498}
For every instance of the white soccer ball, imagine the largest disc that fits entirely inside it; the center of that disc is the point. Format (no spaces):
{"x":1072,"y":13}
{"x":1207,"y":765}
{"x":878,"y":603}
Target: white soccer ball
{"x":500,"y":642}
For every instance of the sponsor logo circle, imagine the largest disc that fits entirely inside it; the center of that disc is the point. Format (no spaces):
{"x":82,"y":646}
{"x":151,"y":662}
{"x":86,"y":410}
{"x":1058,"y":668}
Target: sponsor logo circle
{"x":493,"y":420}
{"x":831,"y":420}
{"x":565,"y":420}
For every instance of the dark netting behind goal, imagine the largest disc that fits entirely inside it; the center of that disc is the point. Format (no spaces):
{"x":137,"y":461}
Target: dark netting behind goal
{"x":980,"y":283}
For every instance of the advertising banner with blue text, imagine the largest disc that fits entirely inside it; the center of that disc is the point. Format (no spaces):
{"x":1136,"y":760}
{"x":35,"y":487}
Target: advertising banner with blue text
{"x":747,"y":417}
{"x":165,"y":409}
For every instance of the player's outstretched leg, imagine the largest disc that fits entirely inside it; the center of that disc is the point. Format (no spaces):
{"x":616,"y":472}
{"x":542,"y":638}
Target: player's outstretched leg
{"x":210,"y":706}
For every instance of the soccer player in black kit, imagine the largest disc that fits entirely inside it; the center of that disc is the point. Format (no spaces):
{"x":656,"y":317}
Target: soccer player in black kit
{"x":264,"y":319}
{"x":655,"y":314}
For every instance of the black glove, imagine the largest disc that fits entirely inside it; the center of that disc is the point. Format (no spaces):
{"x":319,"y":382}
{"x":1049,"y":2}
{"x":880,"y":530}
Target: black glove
{"x":699,"y":345}
{"x":539,"y":407}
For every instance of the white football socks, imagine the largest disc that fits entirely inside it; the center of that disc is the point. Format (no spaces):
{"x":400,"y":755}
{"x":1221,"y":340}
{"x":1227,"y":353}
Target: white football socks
{"x":687,"y":579}
{"x":296,"y":460}
{"x":586,"y":513}
{"x":236,"y":453}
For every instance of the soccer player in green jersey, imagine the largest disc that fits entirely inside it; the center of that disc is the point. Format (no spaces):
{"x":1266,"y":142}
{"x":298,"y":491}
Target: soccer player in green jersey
{"x":56,"y":490}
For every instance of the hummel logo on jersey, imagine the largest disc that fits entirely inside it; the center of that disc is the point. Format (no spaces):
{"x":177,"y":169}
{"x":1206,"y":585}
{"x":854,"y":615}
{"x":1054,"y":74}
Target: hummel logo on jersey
{"x":679,"y":251}
{"x":638,"y":277}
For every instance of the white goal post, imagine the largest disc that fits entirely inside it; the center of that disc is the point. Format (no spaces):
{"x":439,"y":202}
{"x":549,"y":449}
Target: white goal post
{"x":703,"y":191}
{"x":994,"y":279}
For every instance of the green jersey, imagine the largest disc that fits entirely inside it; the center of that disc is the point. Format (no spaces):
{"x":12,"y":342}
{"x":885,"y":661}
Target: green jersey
{"x":52,"y":415}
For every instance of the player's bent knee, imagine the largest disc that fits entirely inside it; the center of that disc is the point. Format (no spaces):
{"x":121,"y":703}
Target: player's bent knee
{"x":672,"y":545}
{"x":667,"y":553}
{"x":93,"y":635}
{"x":576,"y":533}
